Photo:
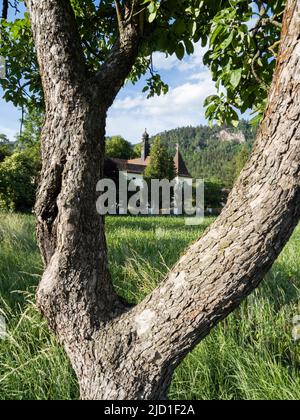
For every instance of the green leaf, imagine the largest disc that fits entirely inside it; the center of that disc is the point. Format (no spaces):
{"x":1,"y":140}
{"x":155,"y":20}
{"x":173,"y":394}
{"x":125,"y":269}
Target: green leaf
{"x":256,"y":120}
{"x":235,"y":77}
{"x":227,"y":41}
{"x":179,"y":26}
{"x":210,"y":99}
{"x":215,"y":33}
{"x":180,"y":51}
{"x":189,"y":46}
{"x":194,"y":28}
{"x":152,"y":17}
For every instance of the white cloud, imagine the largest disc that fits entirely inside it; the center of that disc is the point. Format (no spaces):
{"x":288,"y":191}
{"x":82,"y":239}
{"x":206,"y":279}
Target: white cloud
{"x":163,"y":62}
{"x":195,"y":61}
{"x":132,"y":113}
{"x":182,"y":106}
{"x":197,"y":76}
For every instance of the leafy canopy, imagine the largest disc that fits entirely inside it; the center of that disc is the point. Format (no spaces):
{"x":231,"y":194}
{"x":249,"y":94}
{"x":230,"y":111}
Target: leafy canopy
{"x":118,"y":147}
{"x":241,"y":38}
{"x":5,"y":148}
{"x":18,"y":179}
{"x":3,"y":139}
{"x":29,"y":140}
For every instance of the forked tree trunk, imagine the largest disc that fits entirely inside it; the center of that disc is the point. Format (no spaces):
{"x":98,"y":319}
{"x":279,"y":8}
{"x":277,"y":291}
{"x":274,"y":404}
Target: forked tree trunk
{"x":130,"y":353}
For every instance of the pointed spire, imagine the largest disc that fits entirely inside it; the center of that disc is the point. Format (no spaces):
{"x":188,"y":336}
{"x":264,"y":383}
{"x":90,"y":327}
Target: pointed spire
{"x":145,"y":135}
{"x":181,"y":169}
{"x":145,"y":146}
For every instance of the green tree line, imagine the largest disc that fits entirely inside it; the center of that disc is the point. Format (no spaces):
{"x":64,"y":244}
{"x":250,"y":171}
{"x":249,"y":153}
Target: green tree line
{"x":217,"y":161}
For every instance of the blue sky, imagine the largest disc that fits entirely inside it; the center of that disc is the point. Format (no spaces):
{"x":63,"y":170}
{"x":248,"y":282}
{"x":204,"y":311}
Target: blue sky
{"x":189,"y":81}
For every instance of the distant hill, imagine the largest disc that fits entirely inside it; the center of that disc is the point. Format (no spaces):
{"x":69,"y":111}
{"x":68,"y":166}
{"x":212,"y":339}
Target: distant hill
{"x":215,"y":153}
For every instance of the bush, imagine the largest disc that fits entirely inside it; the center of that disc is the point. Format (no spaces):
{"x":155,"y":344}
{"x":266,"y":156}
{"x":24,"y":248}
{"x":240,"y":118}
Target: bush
{"x":18,"y":176}
{"x":4,"y":151}
{"x":5,"y":147}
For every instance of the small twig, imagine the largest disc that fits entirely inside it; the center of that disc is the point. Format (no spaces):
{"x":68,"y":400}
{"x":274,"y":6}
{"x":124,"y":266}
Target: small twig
{"x":129,"y":19}
{"x":119,"y":15}
{"x":254,"y":72}
{"x":272,"y":48}
{"x":139,"y":12}
{"x":22,"y":119}
{"x":14,"y":6}
{"x":151,"y":66}
{"x":275,"y":22}
{"x":263,"y":21}
{"x":258,"y":25}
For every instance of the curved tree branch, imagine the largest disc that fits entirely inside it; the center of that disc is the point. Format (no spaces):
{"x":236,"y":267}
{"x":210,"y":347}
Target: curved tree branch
{"x":118,"y":352}
{"x":70,"y":232}
{"x":59,"y":50}
{"x":114,"y":71}
{"x":229,"y":261}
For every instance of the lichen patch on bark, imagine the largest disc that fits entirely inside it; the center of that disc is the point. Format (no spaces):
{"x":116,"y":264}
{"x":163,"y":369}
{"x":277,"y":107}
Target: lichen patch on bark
{"x":179,"y":280}
{"x":144,"y":322}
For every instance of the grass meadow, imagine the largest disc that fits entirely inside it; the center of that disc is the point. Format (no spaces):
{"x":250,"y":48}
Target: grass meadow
{"x":251,"y":355}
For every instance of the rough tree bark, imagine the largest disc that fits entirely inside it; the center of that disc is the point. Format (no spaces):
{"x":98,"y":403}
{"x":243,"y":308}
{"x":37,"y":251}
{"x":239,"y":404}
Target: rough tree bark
{"x":120,"y":352}
{"x":4,"y":9}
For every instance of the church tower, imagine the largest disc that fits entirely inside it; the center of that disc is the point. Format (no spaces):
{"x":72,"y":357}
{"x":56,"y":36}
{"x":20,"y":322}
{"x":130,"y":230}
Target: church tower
{"x":145,"y":146}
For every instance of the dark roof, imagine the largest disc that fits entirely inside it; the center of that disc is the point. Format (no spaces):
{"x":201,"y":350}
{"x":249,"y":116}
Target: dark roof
{"x":125,"y":165}
{"x":137,"y":166}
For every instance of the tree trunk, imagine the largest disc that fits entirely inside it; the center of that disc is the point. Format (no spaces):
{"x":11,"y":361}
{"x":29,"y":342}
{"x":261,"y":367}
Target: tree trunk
{"x":130,"y":353}
{"x":4,"y":9}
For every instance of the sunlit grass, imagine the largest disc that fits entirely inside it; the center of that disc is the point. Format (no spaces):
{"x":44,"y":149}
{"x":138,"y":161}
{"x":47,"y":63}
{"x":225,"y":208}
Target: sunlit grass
{"x":251,"y":355}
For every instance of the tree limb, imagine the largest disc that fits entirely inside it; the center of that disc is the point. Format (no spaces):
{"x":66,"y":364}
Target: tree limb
{"x":4,"y":9}
{"x":119,"y":15}
{"x":131,"y":14}
{"x":254,"y":72}
{"x":111,"y":345}
{"x":229,"y":261}
{"x":261,"y":22}
{"x":58,"y":45}
{"x":112,"y":74}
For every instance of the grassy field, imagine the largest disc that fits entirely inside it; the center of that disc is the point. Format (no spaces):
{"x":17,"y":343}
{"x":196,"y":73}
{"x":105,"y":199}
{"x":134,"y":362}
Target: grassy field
{"x":251,"y":355}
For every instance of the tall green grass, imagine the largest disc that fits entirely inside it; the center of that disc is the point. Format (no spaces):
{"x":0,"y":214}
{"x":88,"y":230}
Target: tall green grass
{"x":251,"y":355}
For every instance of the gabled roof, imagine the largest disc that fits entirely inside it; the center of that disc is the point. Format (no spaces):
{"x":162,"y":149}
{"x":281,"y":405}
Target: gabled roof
{"x":131,"y":166}
{"x":140,"y":161}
